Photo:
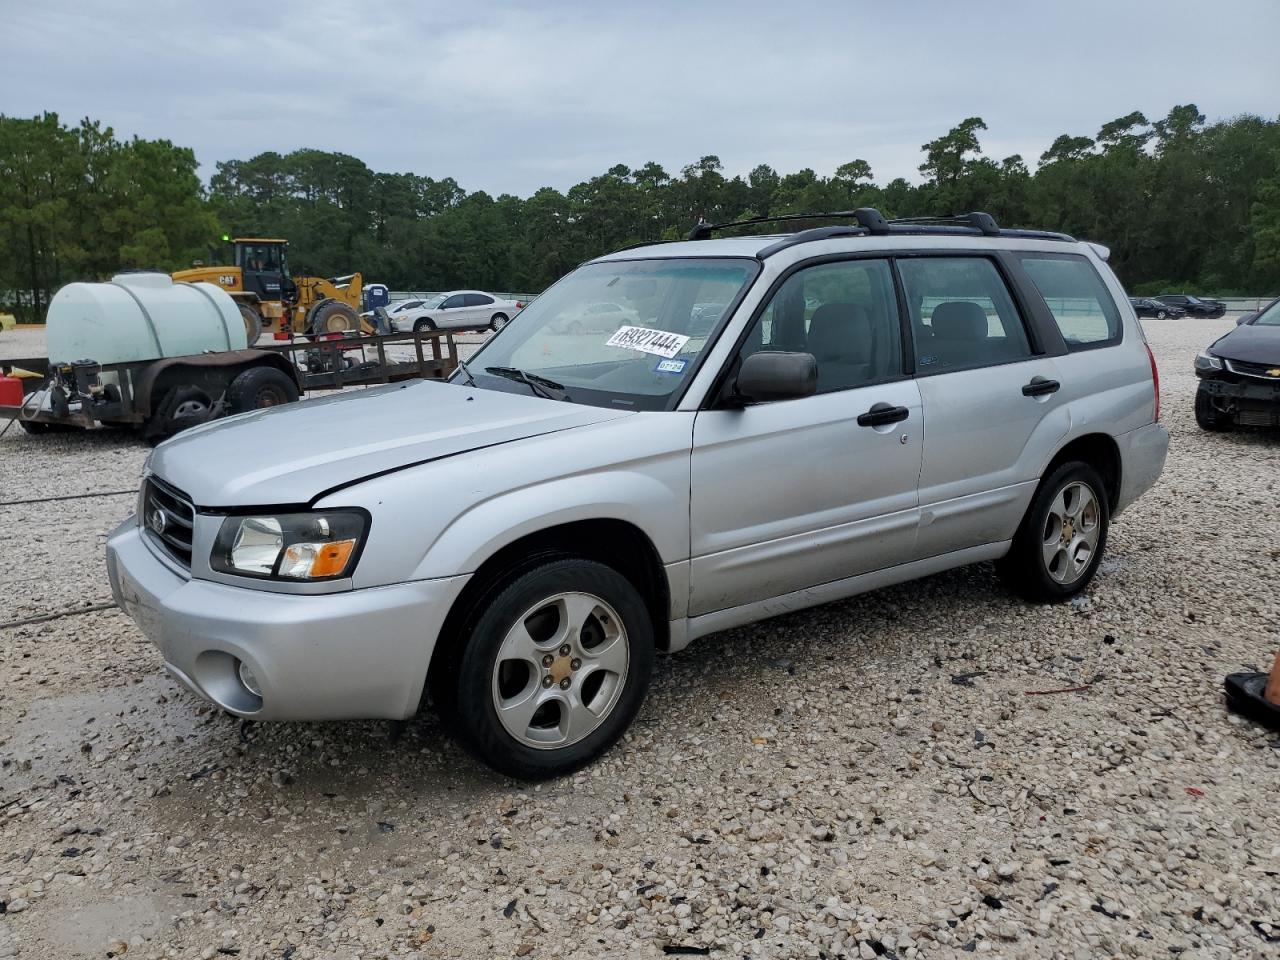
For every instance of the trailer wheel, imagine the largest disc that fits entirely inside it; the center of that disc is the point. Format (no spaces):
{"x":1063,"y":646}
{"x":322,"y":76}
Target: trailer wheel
{"x":252,"y":323}
{"x":333,"y":316}
{"x":181,"y":408}
{"x":260,"y":387}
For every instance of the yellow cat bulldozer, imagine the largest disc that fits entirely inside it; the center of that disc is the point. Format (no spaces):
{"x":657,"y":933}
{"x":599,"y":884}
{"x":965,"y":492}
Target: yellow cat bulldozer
{"x":272,"y":301}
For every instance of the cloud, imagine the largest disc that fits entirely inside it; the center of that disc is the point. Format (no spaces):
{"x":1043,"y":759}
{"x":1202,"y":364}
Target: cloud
{"x":515,"y":95}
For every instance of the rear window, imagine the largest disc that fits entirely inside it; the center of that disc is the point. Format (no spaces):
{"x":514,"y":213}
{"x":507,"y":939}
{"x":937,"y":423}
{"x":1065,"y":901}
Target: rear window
{"x":1076,"y":296}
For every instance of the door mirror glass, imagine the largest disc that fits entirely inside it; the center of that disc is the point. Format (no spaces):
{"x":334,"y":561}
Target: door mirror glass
{"x":776,"y":375}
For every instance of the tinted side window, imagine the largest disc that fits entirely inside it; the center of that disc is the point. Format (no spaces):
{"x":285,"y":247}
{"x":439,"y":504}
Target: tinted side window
{"x":845,"y":314}
{"x":961,"y":313}
{"x":457,"y":300}
{"x":478,"y":300}
{"x":1078,"y":299}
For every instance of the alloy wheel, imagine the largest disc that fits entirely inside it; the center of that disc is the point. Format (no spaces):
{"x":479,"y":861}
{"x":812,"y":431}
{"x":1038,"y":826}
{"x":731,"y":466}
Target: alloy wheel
{"x":560,"y":670}
{"x":1071,"y":531}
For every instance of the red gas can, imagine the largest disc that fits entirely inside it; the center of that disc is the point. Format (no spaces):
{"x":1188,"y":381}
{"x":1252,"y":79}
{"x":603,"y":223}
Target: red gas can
{"x":10,"y":391}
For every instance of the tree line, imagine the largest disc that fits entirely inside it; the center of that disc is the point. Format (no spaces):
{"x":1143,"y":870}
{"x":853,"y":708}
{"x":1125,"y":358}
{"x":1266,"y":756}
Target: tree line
{"x":1183,"y":204}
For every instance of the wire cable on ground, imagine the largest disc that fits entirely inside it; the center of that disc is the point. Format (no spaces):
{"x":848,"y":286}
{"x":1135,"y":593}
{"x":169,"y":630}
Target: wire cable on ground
{"x":58,"y":615}
{"x":133,"y":491}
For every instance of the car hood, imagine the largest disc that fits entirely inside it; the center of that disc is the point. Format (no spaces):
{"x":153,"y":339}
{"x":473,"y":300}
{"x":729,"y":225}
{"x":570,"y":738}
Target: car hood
{"x":295,"y":453}
{"x":1250,"y":343}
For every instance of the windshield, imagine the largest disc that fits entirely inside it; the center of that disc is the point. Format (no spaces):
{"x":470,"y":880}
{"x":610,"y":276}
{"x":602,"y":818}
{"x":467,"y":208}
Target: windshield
{"x":432,"y":302}
{"x":1269,"y":317}
{"x":621,"y":333}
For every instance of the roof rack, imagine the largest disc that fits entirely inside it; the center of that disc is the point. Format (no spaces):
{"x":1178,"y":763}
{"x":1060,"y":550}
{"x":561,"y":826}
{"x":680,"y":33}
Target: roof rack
{"x":870,"y":221}
{"x":703,"y":230}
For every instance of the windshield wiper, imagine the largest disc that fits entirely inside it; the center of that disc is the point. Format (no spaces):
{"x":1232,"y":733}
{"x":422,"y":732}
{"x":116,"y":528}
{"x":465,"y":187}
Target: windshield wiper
{"x":466,"y":372}
{"x":542,"y":386}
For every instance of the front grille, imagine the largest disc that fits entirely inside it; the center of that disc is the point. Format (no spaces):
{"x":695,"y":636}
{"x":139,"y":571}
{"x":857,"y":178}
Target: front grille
{"x":1259,"y":370}
{"x":168,"y":518}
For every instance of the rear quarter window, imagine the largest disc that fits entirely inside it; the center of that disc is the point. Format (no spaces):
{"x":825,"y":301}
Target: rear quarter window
{"x":1080,"y":302}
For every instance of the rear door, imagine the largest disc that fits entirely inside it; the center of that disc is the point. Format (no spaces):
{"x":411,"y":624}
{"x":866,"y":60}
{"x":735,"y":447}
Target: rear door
{"x":990,"y":395}
{"x":1106,"y":380}
{"x":797,"y":493}
{"x":453,"y":313}
{"x":480,"y":309}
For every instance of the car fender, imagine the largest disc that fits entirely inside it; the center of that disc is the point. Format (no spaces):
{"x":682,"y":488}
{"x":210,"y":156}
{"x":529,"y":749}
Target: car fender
{"x":660,"y":512}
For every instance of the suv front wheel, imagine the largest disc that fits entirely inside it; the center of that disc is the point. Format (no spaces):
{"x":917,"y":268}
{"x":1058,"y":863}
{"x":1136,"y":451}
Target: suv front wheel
{"x":554,"y":669}
{"x":1059,"y":545}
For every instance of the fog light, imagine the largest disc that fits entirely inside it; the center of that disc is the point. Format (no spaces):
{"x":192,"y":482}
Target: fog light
{"x":249,"y":680}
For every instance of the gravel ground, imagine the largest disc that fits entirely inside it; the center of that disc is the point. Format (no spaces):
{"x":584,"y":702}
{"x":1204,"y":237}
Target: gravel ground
{"x":904,"y":774}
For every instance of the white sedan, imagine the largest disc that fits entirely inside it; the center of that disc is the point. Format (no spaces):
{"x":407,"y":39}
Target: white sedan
{"x":457,"y":310}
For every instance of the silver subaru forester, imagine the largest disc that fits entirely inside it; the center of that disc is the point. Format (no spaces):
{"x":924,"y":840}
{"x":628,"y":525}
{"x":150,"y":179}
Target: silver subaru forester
{"x":741,"y":426}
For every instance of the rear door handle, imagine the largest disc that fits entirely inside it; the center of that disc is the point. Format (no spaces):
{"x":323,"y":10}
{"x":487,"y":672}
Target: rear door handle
{"x":1040,"y":387}
{"x":881,"y":414}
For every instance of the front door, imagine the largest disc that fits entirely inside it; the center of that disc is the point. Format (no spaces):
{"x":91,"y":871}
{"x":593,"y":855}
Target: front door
{"x":797,"y":493}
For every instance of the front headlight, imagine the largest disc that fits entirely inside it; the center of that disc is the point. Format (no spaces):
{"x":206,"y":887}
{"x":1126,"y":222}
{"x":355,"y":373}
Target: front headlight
{"x":323,"y":545}
{"x":1206,"y":362}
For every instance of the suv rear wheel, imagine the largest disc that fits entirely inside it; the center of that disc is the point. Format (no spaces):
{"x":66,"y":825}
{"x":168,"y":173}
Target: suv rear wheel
{"x":554,"y":668}
{"x":1057,"y":548}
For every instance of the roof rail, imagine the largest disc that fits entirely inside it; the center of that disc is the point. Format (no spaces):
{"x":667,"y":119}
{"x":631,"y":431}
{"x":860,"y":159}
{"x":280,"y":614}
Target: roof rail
{"x":808,"y":236}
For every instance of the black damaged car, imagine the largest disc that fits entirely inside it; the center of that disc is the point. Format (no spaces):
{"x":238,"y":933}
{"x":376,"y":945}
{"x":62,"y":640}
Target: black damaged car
{"x":1146,"y":309}
{"x":1240,"y":375}
{"x":1194,"y":306}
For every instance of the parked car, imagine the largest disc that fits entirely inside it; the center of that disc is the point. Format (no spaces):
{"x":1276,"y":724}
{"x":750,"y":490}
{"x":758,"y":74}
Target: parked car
{"x":1194,"y":306}
{"x":602,"y":317}
{"x":1147,"y":308}
{"x":1240,"y":374}
{"x":458,"y":310}
{"x":595,"y":501}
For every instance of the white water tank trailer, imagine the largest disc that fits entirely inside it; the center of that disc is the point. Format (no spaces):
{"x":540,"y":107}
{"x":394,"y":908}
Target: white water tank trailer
{"x":141,"y":316}
{"x":142,"y":350}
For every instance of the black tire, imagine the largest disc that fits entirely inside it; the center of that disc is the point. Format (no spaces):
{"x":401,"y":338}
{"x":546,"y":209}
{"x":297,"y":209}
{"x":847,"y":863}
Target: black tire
{"x":1160,"y":314}
{"x":1210,"y":418}
{"x":252,"y":323}
{"x":497,"y":322}
{"x":467,"y":703}
{"x":181,"y":408}
{"x":332,"y":316}
{"x":1024,"y":568}
{"x":426,"y":323}
{"x":38,"y":428}
{"x":261,"y":387}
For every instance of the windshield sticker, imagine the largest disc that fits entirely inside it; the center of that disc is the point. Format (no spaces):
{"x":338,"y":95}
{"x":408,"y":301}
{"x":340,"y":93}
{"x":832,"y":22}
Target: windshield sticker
{"x":658,"y":342}
{"x":670,"y":366}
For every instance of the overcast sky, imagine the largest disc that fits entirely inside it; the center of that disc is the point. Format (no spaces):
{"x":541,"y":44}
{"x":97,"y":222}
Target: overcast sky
{"x":510,"y":96}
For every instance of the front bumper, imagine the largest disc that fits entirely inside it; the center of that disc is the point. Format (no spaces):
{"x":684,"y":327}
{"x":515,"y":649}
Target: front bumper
{"x":1250,"y":402}
{"x":358,"y":654}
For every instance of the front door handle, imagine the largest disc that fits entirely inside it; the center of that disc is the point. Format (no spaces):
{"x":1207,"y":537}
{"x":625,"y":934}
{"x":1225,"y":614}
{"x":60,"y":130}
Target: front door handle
{"x":881,"y":414}
{"x":1041,"y":387}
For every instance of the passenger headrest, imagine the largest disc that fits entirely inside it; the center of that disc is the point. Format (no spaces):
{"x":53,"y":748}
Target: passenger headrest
{"x":840,"y":331}
{"x":959,"y":320}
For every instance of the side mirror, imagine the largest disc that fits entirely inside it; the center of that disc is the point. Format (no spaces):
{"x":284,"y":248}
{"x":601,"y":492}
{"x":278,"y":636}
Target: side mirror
{"x":775,"y":375}
{"x":1244,"y":318}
